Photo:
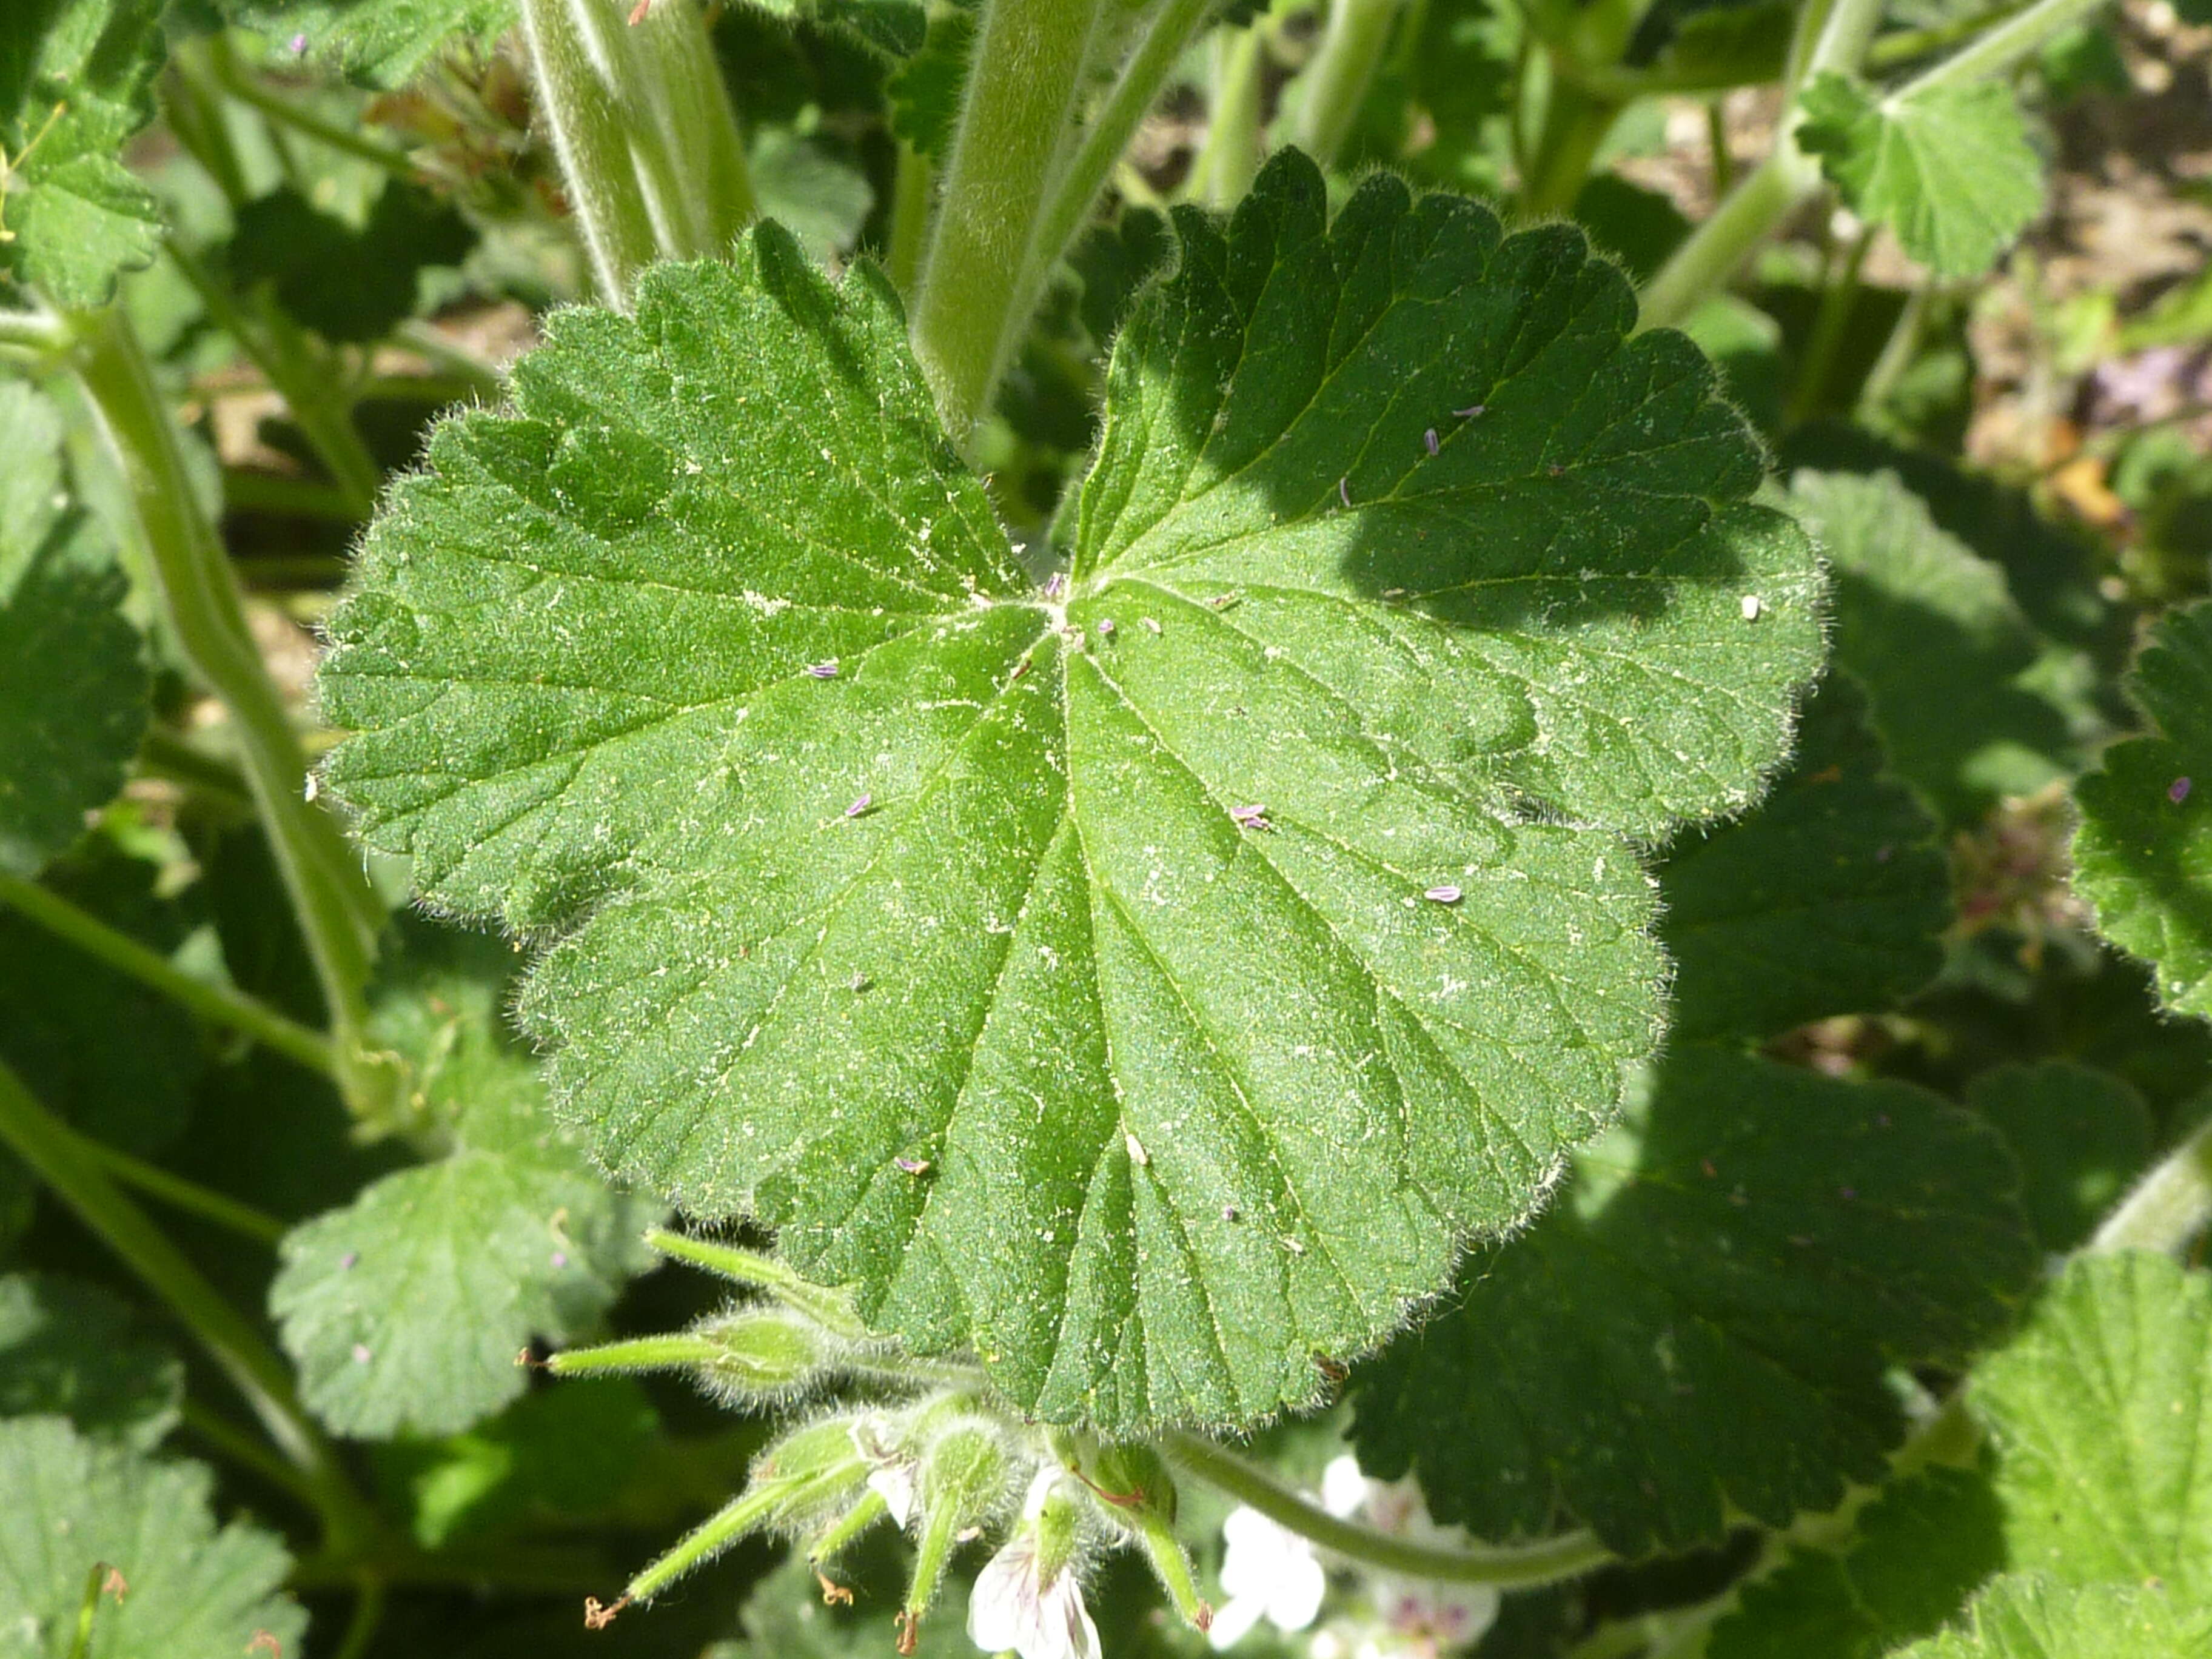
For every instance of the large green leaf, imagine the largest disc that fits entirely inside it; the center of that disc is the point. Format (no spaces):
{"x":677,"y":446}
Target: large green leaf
{"x":1149,"y":982}
{"x":1702,"y":1323}
{"x":1828,"y":900}
{"x":1972,"y":703}
{"x":2082,"y":1137}
{"x":406,"y":1309}
{"x":2025,"y":1616}
{"x":73,"y":1504}
{"x":73,"y":685}
{"x":70,"y":1349}
{"x":74,"y":78}
{"x":1948,"y":168}
{"x":2143,"y":856}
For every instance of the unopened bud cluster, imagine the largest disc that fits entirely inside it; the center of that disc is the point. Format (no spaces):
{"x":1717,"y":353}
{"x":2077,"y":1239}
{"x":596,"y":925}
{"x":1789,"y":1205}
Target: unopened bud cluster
{"x":924,"y":1447}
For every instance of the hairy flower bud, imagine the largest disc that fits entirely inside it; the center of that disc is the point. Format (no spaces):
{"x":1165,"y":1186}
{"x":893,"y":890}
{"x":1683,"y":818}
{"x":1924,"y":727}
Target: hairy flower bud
{"x":763,"y":1356}
{"x":964,"y":1484}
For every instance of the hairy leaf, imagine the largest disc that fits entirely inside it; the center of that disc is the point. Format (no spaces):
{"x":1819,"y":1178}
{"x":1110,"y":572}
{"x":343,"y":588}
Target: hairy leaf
{"x":925,"y":92}
{"x":2143,"y":856}
{"x":74,"y":80}
{"x":1950,"y":169}
{"x":406,"y":1309}
{"x":194,"y":1592}
{"x":1702,"y":1322}
{"x":2082,"y":1137}
{"x":71,"y":1349}
{"x":73,"y":686}
{"x":1826,"y":900}
{"x":894,"y":27}
{"x":377,"y":43}
{"x":1963,"y":687}
{"x":2028,"y":1616}
{"x":1151,"y":987}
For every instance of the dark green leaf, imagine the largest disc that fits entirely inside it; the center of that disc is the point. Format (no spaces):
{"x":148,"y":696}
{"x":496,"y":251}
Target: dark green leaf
{"x":1972,"y":703}
{"x":1921,"y":1548}
{"x":60,"y":1010}
{"x":2143,"y":856}
{"x":1114,"y":262}
{"x":2082,"y":1137}
{"x":73,"y":1504}
{"x":925,"y":92}
{"x":348,"y":284}
{"x":1826,"y":899}
{"x":1638,"y":227}
{"x":1702,"y":1322}
{"x":895,"y":27}
{"x":1729,"y":46}
{"x":74,"y":78}
{"x":1949,"y":169}
{"x":71,"y":1349}
{"x":73,"y":685}
{"x":712,"y":655}
{"x":406,"y":1309}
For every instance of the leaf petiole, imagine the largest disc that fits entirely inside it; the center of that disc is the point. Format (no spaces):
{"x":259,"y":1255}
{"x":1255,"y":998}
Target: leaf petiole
{"x":1509,"y":1567}
{"x":219,"y":1003}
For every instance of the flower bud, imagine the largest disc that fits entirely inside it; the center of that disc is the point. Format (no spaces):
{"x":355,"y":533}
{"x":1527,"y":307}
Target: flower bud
{"x":762,"y":1355}
{"x":964,"y":1474}
{"x":1134,"y":1484}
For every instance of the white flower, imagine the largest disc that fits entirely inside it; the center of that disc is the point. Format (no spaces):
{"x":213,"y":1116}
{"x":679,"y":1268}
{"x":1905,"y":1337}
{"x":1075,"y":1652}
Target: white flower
{"x":1270,"y":1572}
{"x":891,"y":1471}
{"x":1022,"y":1604}
{"x":1421,"y":1616}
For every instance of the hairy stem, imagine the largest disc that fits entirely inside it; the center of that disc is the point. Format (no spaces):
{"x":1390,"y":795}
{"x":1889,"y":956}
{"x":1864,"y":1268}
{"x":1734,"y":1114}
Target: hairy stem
{"x":911,"y":194}
{"x":339,"y":912}
{"x":1509,"y":1567}
{"x":648,"y":143}
{"x":218,"y":1004}
{"x":1831,"y":35}
{"x":2168,"y":1207}
{"x":1336,"y":82}
{"x":1024,"y":81}
{"x":242,"y":83}
{"x":55,"y":1153}
{"x":2003,"y":47}
{"x":1230,"y":156}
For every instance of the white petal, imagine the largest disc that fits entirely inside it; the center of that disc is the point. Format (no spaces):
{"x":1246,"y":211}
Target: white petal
{"x":893,"y":1484}
{"x":1258,"y":1552}
{"x":1002,"y":1607}
{"x":1294,"y":1599}
{"x":1065,"y":1623}
{"x":1233,"y":1621}
{"x":1343,"y":1487}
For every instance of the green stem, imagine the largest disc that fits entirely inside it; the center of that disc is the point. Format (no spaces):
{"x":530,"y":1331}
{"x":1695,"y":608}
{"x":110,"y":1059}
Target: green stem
{"x":1907,"y":46}
{"x":1717,"y":140}
{"x":1897,"y":352}
{"x":642,"y":125}
{"x":745,"y":1513}
{"x":1576,"y":123}
{"x":87,"y":1609}
{"x":830,"y":1308}
{"x":1336,"y":82}
{"x":338,"y":911}
{"x":248,"y":89}
{"x":1023,"y":83}
{"x":910,"y":198}
{"x":1838,"y":295}
{"x":36,"y":334}
{"x":165,"y":754}
{"x":219,"y":1003}
{"x":1831,"y":34}
{"x":1230,"y":159}
{"x":674,"y":1351}
{"x":233,"y":1443}
{"x":367,"y":1615}
{"x":1074,"y":190}
{"x":834,"y":1538}
{"x":2170,"y":1207}
{"x":193,"y":107}
{"x":487,"y":381}
{"x":301,"y":374}
{"x":56,"y":1154}
{"x":1509,"y":1567}
{"x":246,"y":489}
{"x":1997,"y":51}
{"x":189,"y":1196}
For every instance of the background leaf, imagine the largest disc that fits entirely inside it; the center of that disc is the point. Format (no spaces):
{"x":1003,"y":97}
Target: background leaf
{"x":2081,"y":1136}
{"x":1702,"y":1323}
{"x":73,"y":685}
{"x":68,"y":1348}
{"x":1949,"y":169}
{"x":2143,"y":856}
{"x":377,"y":43}
{"x":73,"y":86}
{"x":802,"y":735}
{"x":348,"y":284}
{"x":195,"y":1592}
{"x":404,"y":1310}
{"x":2025,"y":1616}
